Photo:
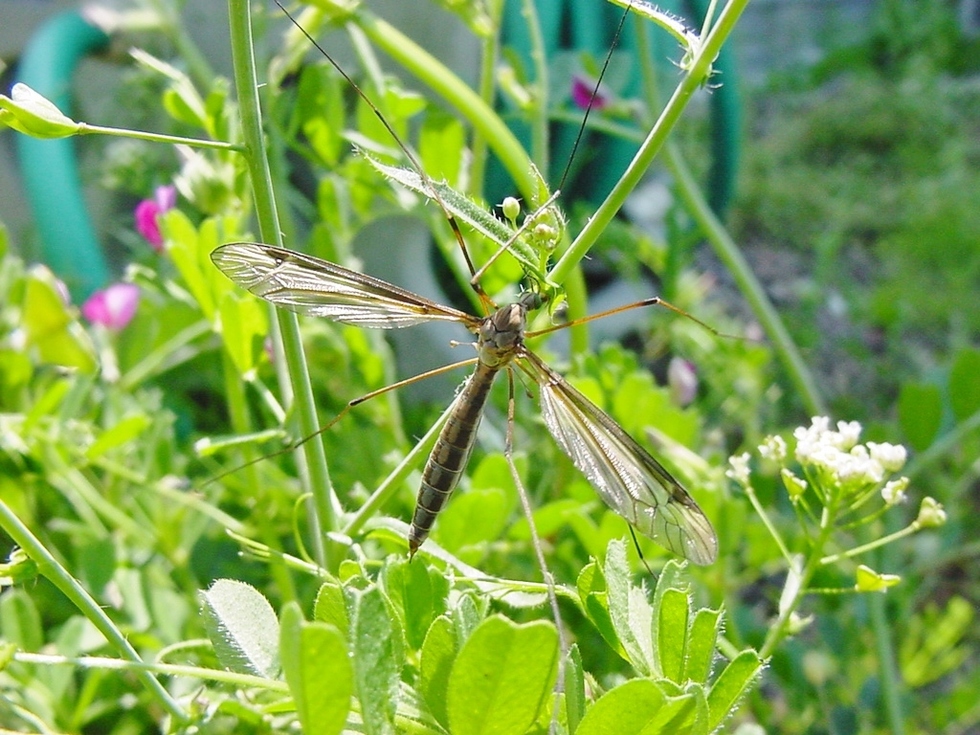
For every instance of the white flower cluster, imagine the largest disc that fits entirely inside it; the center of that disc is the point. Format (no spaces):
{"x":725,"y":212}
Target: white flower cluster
{"x":852,"y":465}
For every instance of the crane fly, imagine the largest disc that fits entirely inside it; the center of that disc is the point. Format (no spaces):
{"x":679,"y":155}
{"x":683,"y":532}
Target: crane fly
{"x":625,"y":475}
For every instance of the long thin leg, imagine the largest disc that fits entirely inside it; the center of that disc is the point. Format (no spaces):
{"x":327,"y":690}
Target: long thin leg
{"x":549,"y":579}
{"x":350,"y":404}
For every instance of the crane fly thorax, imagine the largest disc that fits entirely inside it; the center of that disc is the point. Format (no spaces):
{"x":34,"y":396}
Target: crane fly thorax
{"x":501,"y":335}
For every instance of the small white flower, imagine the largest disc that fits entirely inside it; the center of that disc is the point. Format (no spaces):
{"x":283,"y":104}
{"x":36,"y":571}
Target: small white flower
{"x":773,"y":448}
{"x":858,"y":467}
{"x":848,"y":433}
{"x":739,"y":468}
{"x":891,"y":456}
{"x":893,"y":492}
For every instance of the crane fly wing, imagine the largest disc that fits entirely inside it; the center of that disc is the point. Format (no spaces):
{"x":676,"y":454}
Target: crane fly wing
{"x":628,"y":479}
{"x":316,"y":287}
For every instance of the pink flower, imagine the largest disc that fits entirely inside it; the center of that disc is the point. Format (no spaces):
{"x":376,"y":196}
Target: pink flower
{"x":113,"y":307}
{"x":147,"y":211}
{"x":682,"y":377}
{"x":582,"y":94}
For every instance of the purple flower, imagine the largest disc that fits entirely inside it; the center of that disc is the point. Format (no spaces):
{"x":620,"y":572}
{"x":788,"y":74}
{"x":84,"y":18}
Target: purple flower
{"x":164,"y":199}
{"x":682,"y":377}
{"x":113,"y":307}
{"x":582,"y":94}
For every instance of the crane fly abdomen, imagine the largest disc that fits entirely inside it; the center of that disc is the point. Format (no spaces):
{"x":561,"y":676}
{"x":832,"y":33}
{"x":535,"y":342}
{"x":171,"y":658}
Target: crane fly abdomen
{"x":450,"y":454}
{"x":500,"y":337}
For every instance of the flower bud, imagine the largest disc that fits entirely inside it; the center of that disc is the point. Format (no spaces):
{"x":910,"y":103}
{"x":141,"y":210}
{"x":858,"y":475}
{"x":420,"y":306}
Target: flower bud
{"x":30,"y":113}
{"x":868,"y":580}
{"x":931,"y":514}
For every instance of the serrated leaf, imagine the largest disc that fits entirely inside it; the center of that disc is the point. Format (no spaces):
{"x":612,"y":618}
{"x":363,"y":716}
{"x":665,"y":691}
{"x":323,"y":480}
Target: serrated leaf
{"x":630,"y":612}
{"x":466,"y":210}
{"x":502,"y":677}
{"x":242,"y":627}
{"x":732,"y":684}
{"x":318,"y":672}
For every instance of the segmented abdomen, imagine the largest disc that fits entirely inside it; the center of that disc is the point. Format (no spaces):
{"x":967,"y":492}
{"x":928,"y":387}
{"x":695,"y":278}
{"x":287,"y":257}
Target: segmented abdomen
{"x":450,"y":454}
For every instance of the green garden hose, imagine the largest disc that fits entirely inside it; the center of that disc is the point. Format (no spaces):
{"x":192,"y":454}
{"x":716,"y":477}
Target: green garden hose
{"x":49,"y":169}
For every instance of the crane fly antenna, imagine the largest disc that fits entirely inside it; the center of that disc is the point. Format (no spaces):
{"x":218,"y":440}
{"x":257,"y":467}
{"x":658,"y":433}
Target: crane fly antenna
{"x":592,"y":98}
{"x":416,"y":164}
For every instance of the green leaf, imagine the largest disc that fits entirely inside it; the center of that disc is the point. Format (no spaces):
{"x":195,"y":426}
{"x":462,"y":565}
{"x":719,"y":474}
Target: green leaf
{"x":502,"y":677}
{"x":637,"y":707}
{"x":476,"y":516}
{"x":671,"y":634}
{"x":321,"y":107}
{"x":244,"y":324}
{"x":442,"y":146}
{"x":419,"y":592}
{"x":964,"y":383}
{"x":437,"y":658}
{"x":331,"y":606}
{"x":732,"y":684}
{"x":468,"y":613}
{"x":242,"y":627}
{"x":20,"y":621}
{"x":630,"y":612}
{"x":471,"y":213}
{"x":920,"y":411}
{"x":701,"y":643}
{"x":574,"y":689}
{"x":318,"y":672}
{"x":121,"y":433}
{"x":592,"y":592}
{"x":378,"y":653}
{"x":50,"y":328}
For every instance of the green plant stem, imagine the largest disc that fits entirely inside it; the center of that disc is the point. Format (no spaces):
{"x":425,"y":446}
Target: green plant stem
{"x":697,"y":73}
{"x":87,"y":129}
{"x":312,"y":461}
{"x":51,"y":569}
{"x":486,"y":88}
{"x":457,"y":93}
{"x":394,"y":480}
{"x":877,"y":543}
{"x":539,"y":122}
{"x":779,"y":629}
{"x":239,"y":681}
{"x":891,"y":690}
{"x":767,"y":522}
